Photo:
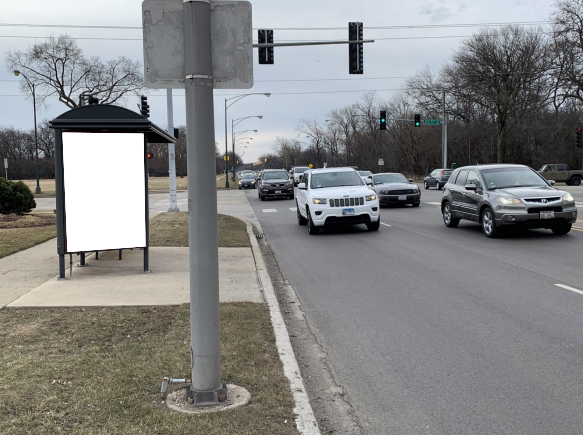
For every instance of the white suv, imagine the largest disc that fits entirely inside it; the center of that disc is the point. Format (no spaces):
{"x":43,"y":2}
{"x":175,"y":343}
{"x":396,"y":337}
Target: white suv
{"x":336,"y":196}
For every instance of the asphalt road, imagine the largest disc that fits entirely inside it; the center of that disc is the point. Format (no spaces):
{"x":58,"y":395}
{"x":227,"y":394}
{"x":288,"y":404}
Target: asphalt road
{"x":433,"y":330}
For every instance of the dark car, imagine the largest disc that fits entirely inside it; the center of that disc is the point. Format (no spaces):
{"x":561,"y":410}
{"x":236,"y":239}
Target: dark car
{"x":437,"y":178}
{"x":395,"y":188}
{"x":505,"y":195}
{"x":247,"y":181}
{"x":273,"y":183}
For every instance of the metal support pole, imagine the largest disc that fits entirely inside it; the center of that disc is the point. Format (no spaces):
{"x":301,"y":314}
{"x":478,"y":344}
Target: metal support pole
{"x":82,"y":259}
{"x":171,"y":152}
{"x":206,"y":387}
{"x":147,"y":208}
{"x":444,"y":133}
{"x":60,"y":201}
{"x":36,"y":141}
{"x":226,"y":150}
{"x":233,"y":145}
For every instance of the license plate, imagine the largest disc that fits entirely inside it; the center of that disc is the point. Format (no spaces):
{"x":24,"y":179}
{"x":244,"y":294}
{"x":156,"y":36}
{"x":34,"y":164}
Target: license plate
{"x":402,"y":198}
{"x":278,"y":191}
{"x":547,"y":214}
{"x":347,"y":211}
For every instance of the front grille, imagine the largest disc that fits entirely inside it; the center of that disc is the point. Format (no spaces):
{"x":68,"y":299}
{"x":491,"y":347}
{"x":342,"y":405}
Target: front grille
{"x":277,"y":185}
{"x":542,"y":200}
{"x":537,"y":210}
{"x":401,"y":192}
{"x":346,"y":202}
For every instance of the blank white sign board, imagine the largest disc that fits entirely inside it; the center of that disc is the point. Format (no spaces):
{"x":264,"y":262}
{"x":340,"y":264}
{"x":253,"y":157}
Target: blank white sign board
{"x":105,"y":191}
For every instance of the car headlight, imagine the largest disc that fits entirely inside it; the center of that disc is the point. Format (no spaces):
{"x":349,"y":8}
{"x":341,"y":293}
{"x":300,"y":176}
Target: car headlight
{"x":370,"y":197}
{"x":253,"y":182}
{"x":320,"y":201}
{"x":567,"y":197}
{"x":239,"y":182}
{"x":506,"y":200}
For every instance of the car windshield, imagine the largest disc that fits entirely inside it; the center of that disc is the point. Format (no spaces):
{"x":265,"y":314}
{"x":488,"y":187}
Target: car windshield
{"x":447,"y":171}
{"x":364,"y":173}
{"x":542,"y":168}
{"x":275,"y":175}
{"x":512,"y":177}
{"x":300,"y":170}
{"x":248,"y":176}
{"x":390,"y":178}
{"x":336,"y":179}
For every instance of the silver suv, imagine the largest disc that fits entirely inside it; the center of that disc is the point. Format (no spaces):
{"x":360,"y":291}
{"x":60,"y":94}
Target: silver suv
{"x":505,"y":195}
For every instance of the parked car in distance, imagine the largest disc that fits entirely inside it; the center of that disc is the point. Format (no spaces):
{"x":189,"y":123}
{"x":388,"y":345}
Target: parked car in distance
{"x":336,"y":196}
{"x":504,"y":195}
{"x":364,"y":175}
{"x":247,"y":181}
{"x":561,"y":172}
{"x":394,"y":188}
{"x":437,"y":178}
{"x":296,"y":173}
{"x":273,"y":183}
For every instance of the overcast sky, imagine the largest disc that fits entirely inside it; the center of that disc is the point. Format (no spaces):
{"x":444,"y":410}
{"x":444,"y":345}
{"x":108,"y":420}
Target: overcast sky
{"x":305,"y":82}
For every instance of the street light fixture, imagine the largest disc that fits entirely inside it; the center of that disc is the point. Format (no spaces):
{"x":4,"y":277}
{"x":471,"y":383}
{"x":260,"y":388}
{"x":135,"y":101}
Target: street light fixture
{"x":234,"y":122}
{"x":236,"y":98}
{"x":31,"y":86}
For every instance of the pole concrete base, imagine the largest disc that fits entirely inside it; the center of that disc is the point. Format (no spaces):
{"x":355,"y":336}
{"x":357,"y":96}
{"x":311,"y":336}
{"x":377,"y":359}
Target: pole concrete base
{"x":236,"y":398}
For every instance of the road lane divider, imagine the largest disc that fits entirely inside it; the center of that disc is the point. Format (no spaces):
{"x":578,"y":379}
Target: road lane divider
{"x":573,"y":289}
{"x":386,"y":225}
{"x":269,"y":210}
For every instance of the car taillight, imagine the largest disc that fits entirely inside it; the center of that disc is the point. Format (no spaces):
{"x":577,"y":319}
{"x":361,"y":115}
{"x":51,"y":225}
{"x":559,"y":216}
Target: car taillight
{"x":442,"y":172}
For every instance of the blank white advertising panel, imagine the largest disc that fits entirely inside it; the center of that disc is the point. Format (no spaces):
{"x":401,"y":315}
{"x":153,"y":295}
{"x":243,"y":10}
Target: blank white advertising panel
{"x":105,"y":193}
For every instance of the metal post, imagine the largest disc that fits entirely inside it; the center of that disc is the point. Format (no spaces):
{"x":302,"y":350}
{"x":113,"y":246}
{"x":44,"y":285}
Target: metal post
{"x":206,"y":384}
{"x":233,"y":145}
{"x":147,"y":209}
{"x":469,"y":133}
{"x":60,"y":201}
{"x":171,"y":152}
{"x":226,"y":150}
{"x":444,"y":133}
{"x":81,"y":259}
{"x":35,"y":140}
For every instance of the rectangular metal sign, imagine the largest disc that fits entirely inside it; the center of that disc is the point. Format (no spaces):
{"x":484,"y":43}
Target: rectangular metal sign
{"x":381,"y":162}
{"x":432,"y":122}
{"x":5,"y":163}
{"x":231,"y":39}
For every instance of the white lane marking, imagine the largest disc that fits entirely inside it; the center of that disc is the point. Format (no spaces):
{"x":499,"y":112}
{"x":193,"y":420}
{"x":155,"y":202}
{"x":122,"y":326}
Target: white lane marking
{"x":386,"y":225}
{"x":293,"y":208}
{"x":566,"y":287}
{"x":433,"y":203}
{"x":269,"y":210}
{"x":579,"y":204}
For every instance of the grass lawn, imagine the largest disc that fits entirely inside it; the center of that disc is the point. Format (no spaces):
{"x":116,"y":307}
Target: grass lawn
{"x":21,"y":232}
{"x":47,"y":187}
{"x":171,"y":229}
{"x":99,"y":371}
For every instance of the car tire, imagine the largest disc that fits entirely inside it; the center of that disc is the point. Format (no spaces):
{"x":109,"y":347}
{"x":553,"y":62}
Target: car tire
{"x":291,"y":197}
{"x":374,"y":226}
{"x":312,"y":229}
{"x":239,"y":188}
{"x":425,"y":185}
{"x":261,"y":197}
{"x":301,"y":220}
{"x":489,"y":223}
{"x":447,"y":214}
{"x":437,"y":186}
{"x":575,"y":181}
{"x":561,"y":229}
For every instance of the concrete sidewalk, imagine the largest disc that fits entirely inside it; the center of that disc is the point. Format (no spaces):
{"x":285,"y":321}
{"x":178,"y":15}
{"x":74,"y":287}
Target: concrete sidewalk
{"x":28,"y":278}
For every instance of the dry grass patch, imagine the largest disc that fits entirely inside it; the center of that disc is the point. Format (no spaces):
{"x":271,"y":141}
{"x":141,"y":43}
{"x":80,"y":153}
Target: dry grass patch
{"x":22,"y":232}
{"x":171,"y":229}
{"x":47,"y":187}
{"x":99,"y":370}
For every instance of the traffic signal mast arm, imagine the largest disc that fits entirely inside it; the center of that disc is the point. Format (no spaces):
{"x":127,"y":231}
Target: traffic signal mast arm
{"x":297,"y":44}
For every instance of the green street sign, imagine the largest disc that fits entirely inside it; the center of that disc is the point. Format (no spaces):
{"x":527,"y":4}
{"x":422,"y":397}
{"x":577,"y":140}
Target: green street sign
{"x":432,"y":122}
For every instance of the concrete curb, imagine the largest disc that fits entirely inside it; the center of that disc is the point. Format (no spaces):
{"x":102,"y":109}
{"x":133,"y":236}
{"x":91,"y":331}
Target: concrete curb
{"x":305,"y":419}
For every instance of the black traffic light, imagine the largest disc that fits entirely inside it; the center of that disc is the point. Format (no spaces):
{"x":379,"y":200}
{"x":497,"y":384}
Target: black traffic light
{"x":144,"y":107}
{"x":579,"y":143}
{"x":383,"y":119}
{"x":355,"y":51}
{"x":265,"y":53}
{"x":417,"y":120}
{"x":150,"y":156}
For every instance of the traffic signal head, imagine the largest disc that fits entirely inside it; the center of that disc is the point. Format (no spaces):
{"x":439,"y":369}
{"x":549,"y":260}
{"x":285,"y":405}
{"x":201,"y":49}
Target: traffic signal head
{"x":383,"y":119}
{"x":145,"y":107}
{"x":150,"y":156}
{"x":355,"y":51}
{"x":579,"y":140}
{"x":265,"y":53}
{"x":417,"y":120}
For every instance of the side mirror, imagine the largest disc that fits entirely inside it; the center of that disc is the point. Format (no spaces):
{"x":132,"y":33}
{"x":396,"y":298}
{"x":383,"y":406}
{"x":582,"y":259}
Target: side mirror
{"x":551,"y":182}
{"x":302,"y":186}
{"x":410,"y":180}
{"x":471,"y":187}
{"x":368,"y":181}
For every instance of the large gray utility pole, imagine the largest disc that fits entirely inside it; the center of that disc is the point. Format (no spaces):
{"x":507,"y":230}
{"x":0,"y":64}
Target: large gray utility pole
{"x":171,"y":152}
{"x":206,"y":387}
{"x":444,"y":133}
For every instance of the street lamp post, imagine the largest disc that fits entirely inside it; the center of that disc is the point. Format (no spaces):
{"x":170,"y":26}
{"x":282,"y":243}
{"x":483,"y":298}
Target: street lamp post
{"x":234,"y":122}
{"x":31,"y":86}
{"x":443,"y":129}
{"x":237,"y":98}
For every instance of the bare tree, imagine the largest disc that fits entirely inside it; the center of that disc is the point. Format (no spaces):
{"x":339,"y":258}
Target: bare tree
{"x":58,"y":68}
{"x":317,"y":137}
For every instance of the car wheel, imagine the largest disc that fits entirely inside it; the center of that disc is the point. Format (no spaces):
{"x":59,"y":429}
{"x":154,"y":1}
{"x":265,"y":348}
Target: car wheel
{"x":437,"y":186}
{"x":261,"y":197}
{"x":290,"y":197}
{"x":301,"y":219}
{"x":448,"y":218}
{"x":417,"y":204}
{"x":312,"y":229}
{"x":374,"y":226}
{"x":561,"y":229}
{"x":576,"y":181}
{"x":489,"y":223}
{"x":425,"y":185}
{"x":239,"y":187}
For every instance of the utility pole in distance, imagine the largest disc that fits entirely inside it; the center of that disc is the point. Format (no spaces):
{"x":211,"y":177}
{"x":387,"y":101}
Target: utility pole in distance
{"x":171,"y":153}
